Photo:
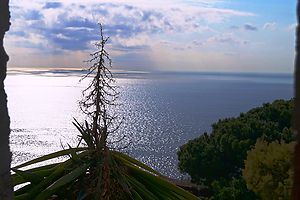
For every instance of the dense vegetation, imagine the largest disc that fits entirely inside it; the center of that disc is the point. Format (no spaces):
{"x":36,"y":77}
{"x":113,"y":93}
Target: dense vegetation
{"x":217,"y":159}
{"x":269,"y":169}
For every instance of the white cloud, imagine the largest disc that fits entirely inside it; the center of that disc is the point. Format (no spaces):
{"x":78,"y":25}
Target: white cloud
{"x":292,"y":27}
{"x":124,"y":19}
{"x":137,"y":28}
{"x":226,"y":39}
{"x":167,"y":7}
{"x":270,"y":26}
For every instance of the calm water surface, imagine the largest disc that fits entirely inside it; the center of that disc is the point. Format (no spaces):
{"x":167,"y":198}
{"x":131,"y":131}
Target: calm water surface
{"x":161,"y":111}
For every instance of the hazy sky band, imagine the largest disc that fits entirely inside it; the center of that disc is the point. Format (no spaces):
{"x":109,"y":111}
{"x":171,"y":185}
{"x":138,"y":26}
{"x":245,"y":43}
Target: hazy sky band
{"x":191,"y":35}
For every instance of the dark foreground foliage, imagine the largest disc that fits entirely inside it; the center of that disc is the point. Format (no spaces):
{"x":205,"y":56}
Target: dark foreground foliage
{"x":220,"y":156}
{"x":77,"y":178}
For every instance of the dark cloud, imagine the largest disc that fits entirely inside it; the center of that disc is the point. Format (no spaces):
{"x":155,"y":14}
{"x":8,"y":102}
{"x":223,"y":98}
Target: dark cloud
{"x":134,"y":20}
{"x":69,"y":33}
{"x":227,"y":39}
{"x":250,"y":27}
{"x":71,"y":39}
{"x":179,"y":48}
{"x":134,"y":61}
{"x":197,"y":43}
{"x":79,"y":23}
{"x":234,"y":27}
{"x":122,"y":30}
{"x":101,"y":11}
{"x":49,"y":5}
{"x":28,"y":44}
{"x":33,"y":15}
{"x":128,"y":7}
{"x":120,"y":47}
{"x":74,"y":32}
{"x":18,"y":33}
{"x":150,"y":15}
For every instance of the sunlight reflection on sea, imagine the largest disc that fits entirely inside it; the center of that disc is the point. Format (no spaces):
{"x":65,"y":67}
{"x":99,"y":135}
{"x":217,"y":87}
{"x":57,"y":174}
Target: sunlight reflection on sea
{"x":160,"y":112}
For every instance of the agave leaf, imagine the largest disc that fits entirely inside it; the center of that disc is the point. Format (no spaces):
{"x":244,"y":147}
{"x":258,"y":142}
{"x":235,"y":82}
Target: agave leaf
{"x":37,"y":189}
{"x":136,"y":196}
{"x":64,"y":180}
{"x":51,"y":156}
{"x":23,"y":190}
{"x":141,"y":189}
{"x":45,"y":172}
{"x":50,"y":174}
{"x":159,"y":192}
{"x":40,"y":171}
{"x":178,"y":196}
{"x":25,"y":196}
{"x":59,"y":171}
{"x":28,"y":176}
{"x":73,"y":153}
{"x":69,"y":177}
{"x":140,"y":174}
{"x":42,"y":168}
{"x":129,"y":159}
{"x":117,"y":174}
{"x":17,"y":179}
{"x":99,"y":183}
{"x":85,"y":136}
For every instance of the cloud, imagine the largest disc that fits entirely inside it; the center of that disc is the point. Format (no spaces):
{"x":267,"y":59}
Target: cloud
{"x":77,"y":22}
{"x":139,"y":43}
{"x":65,"y":27}
{"x":49,"y":5}
{"x":133,"y":61}
{"x":226,"y":39}
{"x":250,"y":27}
{"x":270,"y":26}
{"x":18,"y":33}
{"x":71,"y":38}
{"x":197,"y":43}
{"x":292,"y":27}
{"x":234,"y":27}
{"x":33,"y":15}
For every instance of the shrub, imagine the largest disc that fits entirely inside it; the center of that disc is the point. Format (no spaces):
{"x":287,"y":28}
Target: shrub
{"x":221,"y":154}
{"x":269,"y":170}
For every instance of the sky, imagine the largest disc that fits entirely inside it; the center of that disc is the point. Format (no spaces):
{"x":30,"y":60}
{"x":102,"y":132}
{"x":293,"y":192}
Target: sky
{"x":163,"y":35}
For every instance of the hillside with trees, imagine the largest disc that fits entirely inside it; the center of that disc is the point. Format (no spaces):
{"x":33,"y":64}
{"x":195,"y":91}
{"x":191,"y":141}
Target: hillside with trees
{"x":217,"y":160}
{"x":269,"y":169}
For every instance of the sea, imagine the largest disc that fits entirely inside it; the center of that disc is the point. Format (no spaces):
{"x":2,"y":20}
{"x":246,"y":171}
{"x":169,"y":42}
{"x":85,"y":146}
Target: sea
{"x":160,"y":111}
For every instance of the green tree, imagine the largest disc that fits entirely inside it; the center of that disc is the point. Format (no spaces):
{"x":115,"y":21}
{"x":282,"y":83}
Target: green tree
{"x":235,"y":189}
{"x":269,"y":170}
{"x":221,"y":154}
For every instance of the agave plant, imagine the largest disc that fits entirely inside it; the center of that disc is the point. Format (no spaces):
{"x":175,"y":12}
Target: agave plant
{"x":92,"y":170}
{"x":78,"y":176}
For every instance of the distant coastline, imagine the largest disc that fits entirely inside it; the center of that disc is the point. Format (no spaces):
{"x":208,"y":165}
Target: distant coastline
{"x":283,"y":78}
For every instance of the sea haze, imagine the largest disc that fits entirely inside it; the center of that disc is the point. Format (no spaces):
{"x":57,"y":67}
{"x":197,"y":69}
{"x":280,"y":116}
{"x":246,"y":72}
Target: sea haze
{"x":161,"y":111}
